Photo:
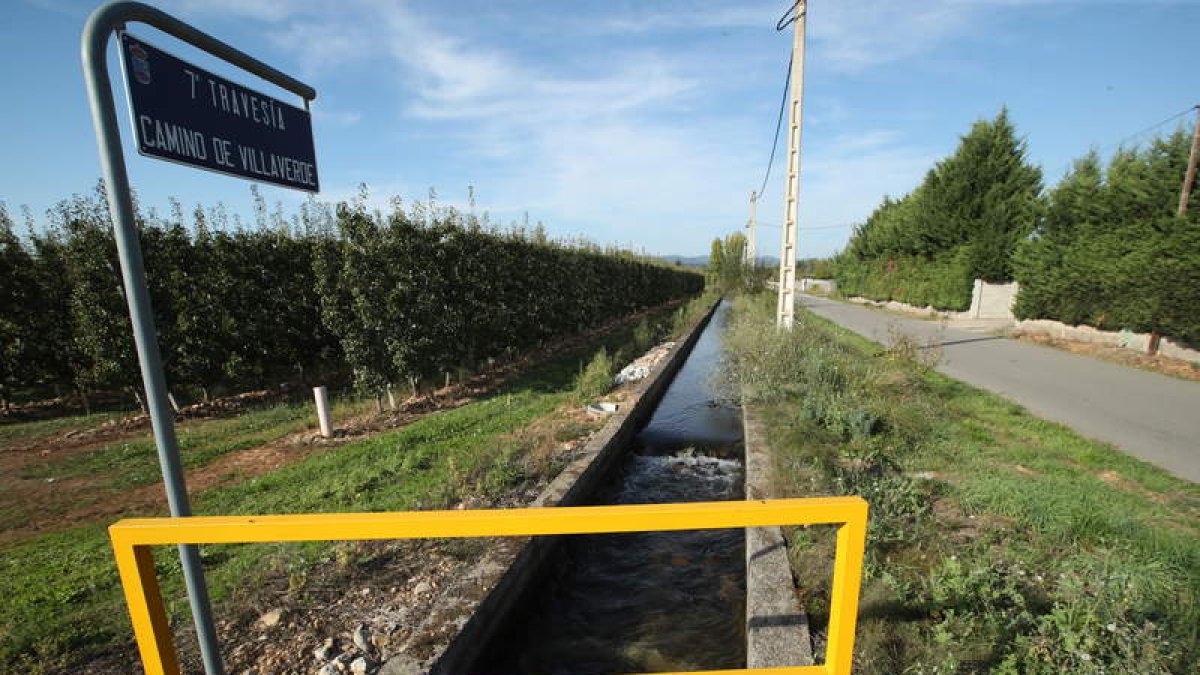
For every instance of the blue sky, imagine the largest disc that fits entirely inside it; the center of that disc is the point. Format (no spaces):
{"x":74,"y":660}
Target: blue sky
{"x":641,"y":123}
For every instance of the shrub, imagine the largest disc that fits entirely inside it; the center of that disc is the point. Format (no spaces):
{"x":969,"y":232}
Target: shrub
{"x":595,"y":379}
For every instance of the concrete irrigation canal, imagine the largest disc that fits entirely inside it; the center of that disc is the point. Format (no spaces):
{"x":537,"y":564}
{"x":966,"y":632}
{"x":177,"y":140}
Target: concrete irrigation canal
{"x":633,"y":602}
{"x":651,"y":601}
{"x":640,"y":582}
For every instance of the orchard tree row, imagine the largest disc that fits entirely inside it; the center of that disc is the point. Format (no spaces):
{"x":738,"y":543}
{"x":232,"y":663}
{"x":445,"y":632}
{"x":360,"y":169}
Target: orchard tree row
{"x":1104,"y":247}
{"x":390,"y":298}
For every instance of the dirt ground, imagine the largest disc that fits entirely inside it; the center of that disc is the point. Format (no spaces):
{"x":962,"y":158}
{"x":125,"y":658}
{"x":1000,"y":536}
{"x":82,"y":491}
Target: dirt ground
{"x":370,"y":600}
{"x":367,"y":601}
{"x":58,"y":504}
{"x":1158,"y":363}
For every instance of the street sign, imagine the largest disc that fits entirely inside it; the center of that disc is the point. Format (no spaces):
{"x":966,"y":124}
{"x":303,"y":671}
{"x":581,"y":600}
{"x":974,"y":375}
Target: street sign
{"x":185,"y":114}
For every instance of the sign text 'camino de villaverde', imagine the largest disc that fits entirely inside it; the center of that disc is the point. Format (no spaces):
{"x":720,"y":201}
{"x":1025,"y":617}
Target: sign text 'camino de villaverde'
{"x":186,"y":114}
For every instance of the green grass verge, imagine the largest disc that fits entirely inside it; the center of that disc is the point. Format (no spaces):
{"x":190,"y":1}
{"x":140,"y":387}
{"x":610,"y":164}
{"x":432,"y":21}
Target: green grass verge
{"x":134,"y":462}
{"x":998,"y":542}
{"x":62,"y":596}
{"x":29,"y":431}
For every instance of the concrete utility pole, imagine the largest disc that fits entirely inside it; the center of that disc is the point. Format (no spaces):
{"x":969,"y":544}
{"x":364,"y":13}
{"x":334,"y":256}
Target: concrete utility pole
{"x":1189,"y":178}
{"x":791,"y":204}
{"x":752,"y":226}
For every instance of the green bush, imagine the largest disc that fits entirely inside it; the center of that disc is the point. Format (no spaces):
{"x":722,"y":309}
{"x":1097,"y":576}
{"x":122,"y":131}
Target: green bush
{"x":596,"y":378}
{"x":944,"y":283}
{"x":961,"y":223}
{"x":643,"y":336}
{"x":1111,"y":253}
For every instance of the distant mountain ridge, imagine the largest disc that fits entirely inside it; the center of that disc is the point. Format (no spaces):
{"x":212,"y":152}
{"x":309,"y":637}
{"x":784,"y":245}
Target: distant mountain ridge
{"x":701,"y":261}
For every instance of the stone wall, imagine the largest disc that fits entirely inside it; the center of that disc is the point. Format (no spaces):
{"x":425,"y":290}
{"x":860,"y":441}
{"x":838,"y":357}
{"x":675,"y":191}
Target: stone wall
{"x":808,"y":285}
{"x":992,"y":301}
{"x":988,"y":301}
{"x":1128,"y":339}
{"x":995,"y":302}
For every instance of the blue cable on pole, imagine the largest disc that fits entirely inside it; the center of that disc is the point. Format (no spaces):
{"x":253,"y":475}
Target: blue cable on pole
{"x":789,"y":17}
{"x":787,"y":81}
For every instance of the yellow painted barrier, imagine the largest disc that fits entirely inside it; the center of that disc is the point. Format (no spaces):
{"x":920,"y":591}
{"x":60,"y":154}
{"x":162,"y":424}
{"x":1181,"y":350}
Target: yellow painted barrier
{"x":132,"y":539}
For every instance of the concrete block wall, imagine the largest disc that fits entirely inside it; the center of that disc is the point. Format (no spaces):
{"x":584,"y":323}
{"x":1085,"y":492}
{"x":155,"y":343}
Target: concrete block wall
{"x":988,"y":301}
{"x":823,"y":285}
{"x":1128,"y":339}
{"x":992,"y":301}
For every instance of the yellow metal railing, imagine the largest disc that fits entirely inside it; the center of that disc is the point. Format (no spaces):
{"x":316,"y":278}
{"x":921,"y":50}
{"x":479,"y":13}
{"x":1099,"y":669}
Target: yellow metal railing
{"x":133,"y":538}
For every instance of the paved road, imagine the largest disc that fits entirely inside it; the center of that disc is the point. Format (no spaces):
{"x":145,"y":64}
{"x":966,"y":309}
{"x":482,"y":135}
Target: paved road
{"x":1150,"y":416}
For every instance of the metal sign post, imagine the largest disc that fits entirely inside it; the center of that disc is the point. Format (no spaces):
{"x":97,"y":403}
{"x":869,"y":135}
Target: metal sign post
{"x":102,"y":24}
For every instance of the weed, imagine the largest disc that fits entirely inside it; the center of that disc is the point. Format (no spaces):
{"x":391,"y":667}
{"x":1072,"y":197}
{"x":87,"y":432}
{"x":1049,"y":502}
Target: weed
{"x":904,"y":348}
{"x":1046,"y":553}
{"x":690,"y":312}
{"x":595,"y":379}
{"x":569,"y":432}
{"x":643,"y":336}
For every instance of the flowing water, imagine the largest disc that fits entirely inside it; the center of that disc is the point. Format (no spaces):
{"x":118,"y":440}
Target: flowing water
{"x":653,"y":601}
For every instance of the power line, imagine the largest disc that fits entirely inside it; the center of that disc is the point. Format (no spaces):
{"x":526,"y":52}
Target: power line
{"x":787,"y":80}
{"x":829,"y":227}
{"x":1148,"y":129}
{"x":806,"y":229}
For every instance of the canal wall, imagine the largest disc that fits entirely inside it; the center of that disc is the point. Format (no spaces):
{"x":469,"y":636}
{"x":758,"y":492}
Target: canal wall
{"x":777,"y":633}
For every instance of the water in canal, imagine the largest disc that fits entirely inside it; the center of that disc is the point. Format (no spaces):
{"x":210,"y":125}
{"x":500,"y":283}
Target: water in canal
{"x":647,"y":602}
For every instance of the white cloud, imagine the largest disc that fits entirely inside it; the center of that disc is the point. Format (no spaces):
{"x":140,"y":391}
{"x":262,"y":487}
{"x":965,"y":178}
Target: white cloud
{"x":618,"y":151}
{"x":595,"y":150}
{"x":849,"y":36}
{"x":342,"y":118}
{"x":689,"y":16}
{"x":854,"y":36}
{"x":259,"y":10}
{"x":844,"y":180}
{"x":319,"y":46}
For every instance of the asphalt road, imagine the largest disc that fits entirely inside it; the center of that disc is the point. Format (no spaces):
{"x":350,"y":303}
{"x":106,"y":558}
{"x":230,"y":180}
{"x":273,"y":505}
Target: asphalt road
{"x":1150,"y":416}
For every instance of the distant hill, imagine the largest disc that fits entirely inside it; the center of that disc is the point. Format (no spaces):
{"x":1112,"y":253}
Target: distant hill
{"x":686,"y":260}
{"x":701,"y":261}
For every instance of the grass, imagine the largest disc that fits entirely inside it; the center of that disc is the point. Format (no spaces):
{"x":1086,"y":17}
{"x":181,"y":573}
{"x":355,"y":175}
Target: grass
{"x":998,"y":542}
{"x":134,"y":462}
{"x":62,"y":597}
{"x":596,"y":378}
{"x":29,"y":431}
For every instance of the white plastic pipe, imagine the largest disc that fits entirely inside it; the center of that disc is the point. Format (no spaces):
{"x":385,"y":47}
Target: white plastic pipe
{"x":323,"y":416}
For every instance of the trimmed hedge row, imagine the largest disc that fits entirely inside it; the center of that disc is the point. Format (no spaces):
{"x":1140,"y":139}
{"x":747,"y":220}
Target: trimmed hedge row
{"x":392,"y":298}
{"x":944,"y":283}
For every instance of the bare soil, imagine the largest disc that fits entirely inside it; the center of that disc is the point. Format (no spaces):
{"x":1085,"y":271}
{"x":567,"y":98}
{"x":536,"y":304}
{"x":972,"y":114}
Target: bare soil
{"x":59,"y":504}
{"x":1158,"y":363}
{"x":384,"y":590}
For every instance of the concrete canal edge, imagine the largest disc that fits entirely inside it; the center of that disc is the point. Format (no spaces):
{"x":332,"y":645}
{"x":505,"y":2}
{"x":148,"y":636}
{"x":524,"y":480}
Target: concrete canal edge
{"x":473,"y":611}
{"x":776,"y":626}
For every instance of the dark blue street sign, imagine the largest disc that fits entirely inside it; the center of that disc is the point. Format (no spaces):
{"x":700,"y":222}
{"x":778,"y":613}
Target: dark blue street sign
{"x":186,"y":114}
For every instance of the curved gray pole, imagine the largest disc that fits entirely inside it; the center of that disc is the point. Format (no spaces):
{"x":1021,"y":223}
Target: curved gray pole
{"x":94,"y":46}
